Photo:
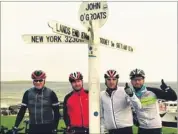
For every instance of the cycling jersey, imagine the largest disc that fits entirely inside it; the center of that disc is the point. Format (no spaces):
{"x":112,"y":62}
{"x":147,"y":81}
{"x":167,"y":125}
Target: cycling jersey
{"x":76,"y":109}
{"x":43,"y":107}
{"x":116,"y":109}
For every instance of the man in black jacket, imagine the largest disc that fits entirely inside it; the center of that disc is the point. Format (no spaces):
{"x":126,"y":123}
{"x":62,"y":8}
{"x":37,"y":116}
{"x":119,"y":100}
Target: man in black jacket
{"x":43,"y":106}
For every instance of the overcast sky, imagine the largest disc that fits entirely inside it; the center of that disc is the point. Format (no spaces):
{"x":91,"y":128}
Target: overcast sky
{"x":151,"y":27}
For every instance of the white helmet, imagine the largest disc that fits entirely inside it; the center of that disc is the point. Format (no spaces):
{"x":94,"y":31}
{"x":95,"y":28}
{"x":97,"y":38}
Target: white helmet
{"x":111,"y":74}
{"x":137,"y":73}
{"x":75,"y":76}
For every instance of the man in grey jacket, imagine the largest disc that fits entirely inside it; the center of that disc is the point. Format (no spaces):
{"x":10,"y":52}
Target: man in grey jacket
{"x":149,"y":120}
{"x":116,"y":114}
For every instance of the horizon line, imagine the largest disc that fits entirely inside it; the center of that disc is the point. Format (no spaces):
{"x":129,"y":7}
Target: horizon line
{"x":84,"y":81}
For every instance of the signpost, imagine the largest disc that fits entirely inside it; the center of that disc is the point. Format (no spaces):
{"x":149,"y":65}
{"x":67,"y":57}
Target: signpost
{"x":59,"y":28}
{"x":63,"y":29}
{"x":51,"y":39}
{"x":94,"y":79}
{"x":97,"y":12}
{"x":92,"y":15}
{"x":76,"y":36}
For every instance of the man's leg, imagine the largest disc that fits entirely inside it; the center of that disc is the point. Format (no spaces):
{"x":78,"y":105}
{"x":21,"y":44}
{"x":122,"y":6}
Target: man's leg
{"x":111,"y":131}
{"x":149,"y":131}
{"x":144,"y":131}
{"x":157,"y":131}
{"x":126,"y":130}
{"x":80,"y":130}
{"x":40,"y":129}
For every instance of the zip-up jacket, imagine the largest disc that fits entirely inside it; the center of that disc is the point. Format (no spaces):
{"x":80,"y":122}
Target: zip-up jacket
{"x":115,"y":109}
{"x":76,"y":109}
{"x":43,"y":106}
{"x":148,"y":116}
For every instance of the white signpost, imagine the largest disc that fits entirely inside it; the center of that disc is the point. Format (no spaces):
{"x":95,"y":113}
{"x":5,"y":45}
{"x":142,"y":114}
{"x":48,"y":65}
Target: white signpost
{"x":59,"y":28}
{"x":92,"y":15}
{"x":95,"y":11}
{"x":51,"y":39}
{"x":74,"y":36}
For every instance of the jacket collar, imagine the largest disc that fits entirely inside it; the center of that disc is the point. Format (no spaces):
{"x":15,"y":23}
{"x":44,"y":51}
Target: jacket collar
{"x":79,"y":92}
{"x":140,"y":92}
{"x":109,"y":91}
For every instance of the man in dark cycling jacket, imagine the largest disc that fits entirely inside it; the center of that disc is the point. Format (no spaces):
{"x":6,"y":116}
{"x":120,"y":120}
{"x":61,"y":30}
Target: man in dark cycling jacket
{"x":43,"y":107}
{"x":149,"y":120}
{"x":76,"y":108}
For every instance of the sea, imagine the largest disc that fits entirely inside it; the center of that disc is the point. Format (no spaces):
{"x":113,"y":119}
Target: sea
{"x":12,"y":91}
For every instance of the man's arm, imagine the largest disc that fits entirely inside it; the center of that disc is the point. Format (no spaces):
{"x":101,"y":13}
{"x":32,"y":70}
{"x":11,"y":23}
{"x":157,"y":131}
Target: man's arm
{"x":65,"y":112}
{"x":168,"y":94}
{"x":55,"y":107}
{"x":135,"y":119}
{"x":22,"y":110}
{"x":135,"y":102}
{"x":132,"y":98}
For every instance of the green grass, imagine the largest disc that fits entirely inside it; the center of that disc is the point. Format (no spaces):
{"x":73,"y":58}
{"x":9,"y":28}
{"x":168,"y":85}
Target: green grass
{"x":8,"y":121}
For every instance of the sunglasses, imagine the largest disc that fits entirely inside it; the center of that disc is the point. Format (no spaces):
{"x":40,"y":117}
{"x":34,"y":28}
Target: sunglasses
{"x":112,"y":79}
{"x":137,"y":79}
{"x":38,"y":80}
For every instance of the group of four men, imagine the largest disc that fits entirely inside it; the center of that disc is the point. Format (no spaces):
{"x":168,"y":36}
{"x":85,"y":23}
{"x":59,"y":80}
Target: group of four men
{"x":116,"y":103}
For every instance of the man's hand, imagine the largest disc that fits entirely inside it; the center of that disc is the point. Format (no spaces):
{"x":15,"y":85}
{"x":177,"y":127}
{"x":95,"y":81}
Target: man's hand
{"x":135,"y":119}
{"x":68,"y":127}
{"x":103,"y":130}
{"x":164,"y":86}
{"x":68,"y":130}
{"x":128,"y":90}
{"x":14,"y":130}
{"x":54,"y":131}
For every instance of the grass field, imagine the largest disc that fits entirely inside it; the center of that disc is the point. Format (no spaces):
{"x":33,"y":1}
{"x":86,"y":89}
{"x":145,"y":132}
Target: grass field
{"x":8,"y":121}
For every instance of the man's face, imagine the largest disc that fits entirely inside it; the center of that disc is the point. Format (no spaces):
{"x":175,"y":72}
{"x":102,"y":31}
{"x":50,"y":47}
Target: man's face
{"x":137,"y":82}
{"x":111,"y":82}
{"x":77,"y":84}
{"x":39,"y":83}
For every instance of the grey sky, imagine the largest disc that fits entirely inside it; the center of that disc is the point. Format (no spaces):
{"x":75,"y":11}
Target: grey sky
{"x":151,"y":27}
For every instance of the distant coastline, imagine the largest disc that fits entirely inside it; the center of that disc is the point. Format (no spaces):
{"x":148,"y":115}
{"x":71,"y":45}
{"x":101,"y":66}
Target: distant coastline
{"x":28,"y":81}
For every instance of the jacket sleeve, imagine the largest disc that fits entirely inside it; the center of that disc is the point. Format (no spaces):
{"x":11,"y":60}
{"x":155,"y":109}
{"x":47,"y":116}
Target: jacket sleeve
{"x":22,"y":110}
{"x":134,"y":101}
{"x":168,"y":94}
{"x":65,"y":112}
{"x":102,"y":125}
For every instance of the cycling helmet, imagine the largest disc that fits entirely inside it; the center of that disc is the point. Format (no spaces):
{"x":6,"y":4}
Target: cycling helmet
{"x":75,"y":76}
{"x":137,"y":73}
{"x":111,"y":74}
{"x":38,"y":74}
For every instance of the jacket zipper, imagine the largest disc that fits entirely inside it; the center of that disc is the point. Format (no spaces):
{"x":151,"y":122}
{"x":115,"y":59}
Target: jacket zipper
{"x":35,"y":108}
{"x":146,"y":121}
{"x":81,"y":109}
{"x":113,"y":109}
{"x":42,"y":107}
